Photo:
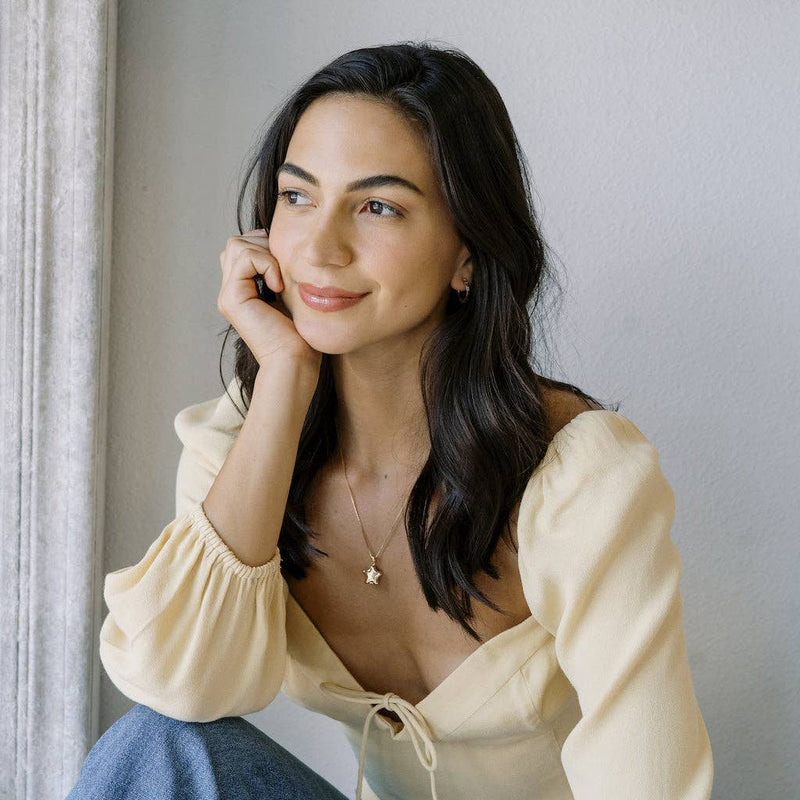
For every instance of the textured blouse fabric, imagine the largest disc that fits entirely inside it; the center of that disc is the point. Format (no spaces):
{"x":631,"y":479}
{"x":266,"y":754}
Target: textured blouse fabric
{"x":589,"y":698}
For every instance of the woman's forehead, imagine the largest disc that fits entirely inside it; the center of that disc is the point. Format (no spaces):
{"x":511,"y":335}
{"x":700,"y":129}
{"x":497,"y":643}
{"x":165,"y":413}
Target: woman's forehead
{"x":359,"y":125}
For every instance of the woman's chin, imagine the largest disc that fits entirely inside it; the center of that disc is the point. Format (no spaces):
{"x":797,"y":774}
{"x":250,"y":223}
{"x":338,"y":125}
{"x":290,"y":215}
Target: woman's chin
{"x":325,"y":340}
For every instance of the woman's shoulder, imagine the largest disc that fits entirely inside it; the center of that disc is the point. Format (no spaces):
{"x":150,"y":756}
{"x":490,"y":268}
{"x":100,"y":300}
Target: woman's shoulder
{"x":577,"y":423}
{"x":590,"y":446}
{"x":209,"y":428}
{"x":597,"y":466}
{"x":225,"y":411}
{"x":561,"y":406}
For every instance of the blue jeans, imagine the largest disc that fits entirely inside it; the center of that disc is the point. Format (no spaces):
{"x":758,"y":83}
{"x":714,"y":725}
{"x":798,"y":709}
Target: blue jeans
{"x":145,"y":755}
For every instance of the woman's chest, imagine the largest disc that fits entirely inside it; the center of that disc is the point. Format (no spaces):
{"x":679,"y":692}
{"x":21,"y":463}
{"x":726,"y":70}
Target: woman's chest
{"x":385,"y":634}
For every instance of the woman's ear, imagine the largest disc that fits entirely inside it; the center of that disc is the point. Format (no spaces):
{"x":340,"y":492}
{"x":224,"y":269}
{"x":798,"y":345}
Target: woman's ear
{"x":463,"y":271}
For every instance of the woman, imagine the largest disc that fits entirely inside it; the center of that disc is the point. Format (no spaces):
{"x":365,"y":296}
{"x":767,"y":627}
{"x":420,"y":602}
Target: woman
{"x":405,"y":428}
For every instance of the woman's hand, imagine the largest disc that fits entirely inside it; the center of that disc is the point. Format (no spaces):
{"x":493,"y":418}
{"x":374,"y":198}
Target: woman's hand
{"x":266,"y":326}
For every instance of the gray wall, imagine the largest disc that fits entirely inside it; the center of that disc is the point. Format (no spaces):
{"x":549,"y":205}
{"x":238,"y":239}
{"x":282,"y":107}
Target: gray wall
{"x":663,"y":143}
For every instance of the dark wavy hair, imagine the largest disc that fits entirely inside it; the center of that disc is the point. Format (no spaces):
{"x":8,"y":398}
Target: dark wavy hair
{"x":482,"y":397}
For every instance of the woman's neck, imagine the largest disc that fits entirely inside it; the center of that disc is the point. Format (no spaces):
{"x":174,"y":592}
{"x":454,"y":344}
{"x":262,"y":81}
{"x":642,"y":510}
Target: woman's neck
{"x":381,"y":419}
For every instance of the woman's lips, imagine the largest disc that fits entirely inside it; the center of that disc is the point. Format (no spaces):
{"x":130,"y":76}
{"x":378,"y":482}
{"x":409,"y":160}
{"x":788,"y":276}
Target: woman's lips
{"x":329,"y":291}
{"x":327,"y":303}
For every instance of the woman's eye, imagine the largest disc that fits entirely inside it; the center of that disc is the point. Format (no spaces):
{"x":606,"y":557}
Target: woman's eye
{"x":289,"y":196}
{"x":393,"y":211}
{"x":284,"y":196}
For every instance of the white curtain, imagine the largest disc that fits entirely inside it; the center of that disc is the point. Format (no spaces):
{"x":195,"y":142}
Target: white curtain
{"x":57,"y":65}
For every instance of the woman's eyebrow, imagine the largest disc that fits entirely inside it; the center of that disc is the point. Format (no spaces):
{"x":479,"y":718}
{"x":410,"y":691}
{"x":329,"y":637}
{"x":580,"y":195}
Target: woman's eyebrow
{"x":362,"y":183}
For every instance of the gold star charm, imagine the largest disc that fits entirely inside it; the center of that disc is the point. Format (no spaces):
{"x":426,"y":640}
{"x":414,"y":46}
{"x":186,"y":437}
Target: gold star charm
{"x":372,"y":573}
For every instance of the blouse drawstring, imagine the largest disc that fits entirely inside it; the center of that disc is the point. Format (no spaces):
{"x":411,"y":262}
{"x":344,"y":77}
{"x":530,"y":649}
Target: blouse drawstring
{"x":408,"y":713}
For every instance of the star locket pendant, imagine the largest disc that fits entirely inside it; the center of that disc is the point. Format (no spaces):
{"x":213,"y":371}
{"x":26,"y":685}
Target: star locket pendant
{"x":372,"y":572}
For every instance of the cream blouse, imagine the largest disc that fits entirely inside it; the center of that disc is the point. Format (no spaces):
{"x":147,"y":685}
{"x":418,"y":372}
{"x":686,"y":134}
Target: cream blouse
{"x":589,"y":698}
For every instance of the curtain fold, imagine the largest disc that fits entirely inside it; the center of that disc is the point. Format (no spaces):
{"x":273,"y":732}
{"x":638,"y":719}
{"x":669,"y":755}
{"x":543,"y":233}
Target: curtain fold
{"x":57,"y":77}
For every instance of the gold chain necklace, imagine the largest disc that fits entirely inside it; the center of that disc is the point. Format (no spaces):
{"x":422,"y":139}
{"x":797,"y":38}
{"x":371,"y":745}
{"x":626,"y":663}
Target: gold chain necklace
{"x":372,"y":572}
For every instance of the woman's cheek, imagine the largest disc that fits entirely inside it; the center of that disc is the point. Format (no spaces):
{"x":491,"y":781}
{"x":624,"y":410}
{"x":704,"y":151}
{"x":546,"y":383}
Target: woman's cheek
{"x":277,"y":244}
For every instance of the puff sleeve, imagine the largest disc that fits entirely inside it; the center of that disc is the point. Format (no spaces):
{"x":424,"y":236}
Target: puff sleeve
{"x":192,"y":631}
{"x":601,"y":573}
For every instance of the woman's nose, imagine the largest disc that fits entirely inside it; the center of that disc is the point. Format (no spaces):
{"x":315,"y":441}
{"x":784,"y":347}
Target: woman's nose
{"x":327,"y":242}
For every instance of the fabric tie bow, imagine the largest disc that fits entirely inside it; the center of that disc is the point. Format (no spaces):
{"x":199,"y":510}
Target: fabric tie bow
{"x":413,"y":721}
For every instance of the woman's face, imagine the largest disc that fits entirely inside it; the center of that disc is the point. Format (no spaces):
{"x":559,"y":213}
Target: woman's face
{"x":396,"y":244}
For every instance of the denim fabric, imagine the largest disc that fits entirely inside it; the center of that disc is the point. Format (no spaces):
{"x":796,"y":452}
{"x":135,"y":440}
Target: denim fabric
{"x":145,"y":755}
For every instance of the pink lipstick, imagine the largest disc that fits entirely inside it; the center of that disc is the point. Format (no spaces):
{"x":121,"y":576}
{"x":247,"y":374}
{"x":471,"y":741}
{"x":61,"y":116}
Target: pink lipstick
{"x":328,"y":298}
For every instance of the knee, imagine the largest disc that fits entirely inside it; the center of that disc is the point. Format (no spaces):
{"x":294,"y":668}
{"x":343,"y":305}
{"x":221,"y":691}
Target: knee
{"x":138,"y":730}
{"x":141,"y":725}
{"x":141,"y":743}
{"x":145,"y":728}
{"x":144,"y":718}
